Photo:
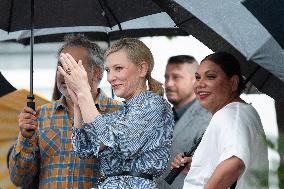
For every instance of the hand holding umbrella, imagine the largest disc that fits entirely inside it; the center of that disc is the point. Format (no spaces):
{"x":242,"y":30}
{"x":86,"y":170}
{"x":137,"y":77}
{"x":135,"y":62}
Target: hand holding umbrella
{"x":28,"y":122}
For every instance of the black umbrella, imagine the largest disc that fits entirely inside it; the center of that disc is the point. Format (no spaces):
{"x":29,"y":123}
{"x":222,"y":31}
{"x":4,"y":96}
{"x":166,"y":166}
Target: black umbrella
{"x":228,"y":26}
{"x":101,"y":19}
{"x":5,"y":86}
{"x":270,"y":14}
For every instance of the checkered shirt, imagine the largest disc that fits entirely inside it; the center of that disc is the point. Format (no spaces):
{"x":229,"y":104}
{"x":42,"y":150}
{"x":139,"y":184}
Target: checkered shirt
{"x":49,"y":151}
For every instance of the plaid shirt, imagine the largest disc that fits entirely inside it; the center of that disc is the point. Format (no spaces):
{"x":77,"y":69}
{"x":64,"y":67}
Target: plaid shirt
{"x":49,"y":151}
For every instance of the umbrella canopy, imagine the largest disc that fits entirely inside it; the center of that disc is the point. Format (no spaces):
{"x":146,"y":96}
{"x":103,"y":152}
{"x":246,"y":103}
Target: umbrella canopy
{"x":228,"y":26}
{"x":5,"y":86}
{"x":271,"y":15}
{"x":104,"y":17}
{"x":99,"y":19}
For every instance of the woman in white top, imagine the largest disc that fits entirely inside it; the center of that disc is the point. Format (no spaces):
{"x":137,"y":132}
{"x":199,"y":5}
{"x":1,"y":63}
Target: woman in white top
{"x":233,"y":151}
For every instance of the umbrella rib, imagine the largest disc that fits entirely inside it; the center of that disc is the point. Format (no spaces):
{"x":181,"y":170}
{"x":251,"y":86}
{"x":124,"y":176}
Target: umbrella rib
{"x":10,"y":16}
{"x":104,"y":14}
{"x":263,"y":82}
{"x":186,"y":20}
{"x":251,"y":75}
{"x":113,"y":15}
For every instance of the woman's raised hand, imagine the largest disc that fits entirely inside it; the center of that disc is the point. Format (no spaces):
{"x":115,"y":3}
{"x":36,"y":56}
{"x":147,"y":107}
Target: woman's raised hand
{"x":74,"y":74}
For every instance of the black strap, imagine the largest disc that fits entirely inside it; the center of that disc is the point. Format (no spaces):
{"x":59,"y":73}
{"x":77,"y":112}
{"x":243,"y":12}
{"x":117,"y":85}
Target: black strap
{"x":132,"y":173}
{"x":176,"y":171}
{"x":234,"y":185}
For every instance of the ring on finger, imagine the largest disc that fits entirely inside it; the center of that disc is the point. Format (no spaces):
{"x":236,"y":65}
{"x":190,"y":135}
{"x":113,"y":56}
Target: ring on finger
{"x":68,"y":71}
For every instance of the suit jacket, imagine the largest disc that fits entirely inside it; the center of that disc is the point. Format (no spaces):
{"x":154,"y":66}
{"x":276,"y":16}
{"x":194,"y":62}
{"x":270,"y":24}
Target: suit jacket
{"x":187,"y":130}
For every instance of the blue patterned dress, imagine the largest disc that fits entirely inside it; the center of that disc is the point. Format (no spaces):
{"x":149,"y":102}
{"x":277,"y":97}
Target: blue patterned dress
{"x":138,"y":139}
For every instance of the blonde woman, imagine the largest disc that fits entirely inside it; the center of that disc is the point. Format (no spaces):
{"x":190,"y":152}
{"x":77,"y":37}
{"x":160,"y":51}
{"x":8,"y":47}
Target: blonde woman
{"x":133,"y":144}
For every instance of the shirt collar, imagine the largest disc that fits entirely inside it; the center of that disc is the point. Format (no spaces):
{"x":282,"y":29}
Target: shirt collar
{"x":136,"y":99}
{"x":101,"y":97}
{"x":60,"y":104}
{"x":180,"y":111}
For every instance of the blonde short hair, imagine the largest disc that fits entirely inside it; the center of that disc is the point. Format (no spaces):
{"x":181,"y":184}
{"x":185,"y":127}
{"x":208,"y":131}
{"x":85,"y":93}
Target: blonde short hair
{"x":137,"y":52}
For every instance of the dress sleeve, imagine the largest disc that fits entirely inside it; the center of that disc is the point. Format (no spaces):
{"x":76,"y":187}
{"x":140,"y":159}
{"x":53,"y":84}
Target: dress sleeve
{"x":24,"y":161}
{"x":233,"y":138}
{"x":144,"y":124}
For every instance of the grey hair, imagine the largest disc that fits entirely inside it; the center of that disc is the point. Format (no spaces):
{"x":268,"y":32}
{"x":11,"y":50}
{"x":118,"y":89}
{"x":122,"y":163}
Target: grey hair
{"x":95,"y":53}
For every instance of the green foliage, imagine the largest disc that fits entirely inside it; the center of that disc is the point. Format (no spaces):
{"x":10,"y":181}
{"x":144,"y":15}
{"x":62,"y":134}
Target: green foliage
{"x":281,"y":167}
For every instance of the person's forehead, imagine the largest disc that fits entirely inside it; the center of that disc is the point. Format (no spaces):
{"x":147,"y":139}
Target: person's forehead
{"x":208,"y":64}
{"x":118,"y":57}
{"x":77,"y":52}
{"x":183,"y":67}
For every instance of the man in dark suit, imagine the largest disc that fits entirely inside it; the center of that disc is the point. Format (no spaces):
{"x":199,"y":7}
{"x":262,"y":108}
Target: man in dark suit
{"x":191,"y":120}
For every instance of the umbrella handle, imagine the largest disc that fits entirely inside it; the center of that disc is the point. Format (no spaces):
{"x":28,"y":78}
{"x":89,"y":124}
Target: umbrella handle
{"x":31,"y":104}
{"x":30,"y":101}
{"x":176,"y":171}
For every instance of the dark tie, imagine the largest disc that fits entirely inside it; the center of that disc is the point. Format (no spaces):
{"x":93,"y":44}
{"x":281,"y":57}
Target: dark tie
{"x":175,"y":115}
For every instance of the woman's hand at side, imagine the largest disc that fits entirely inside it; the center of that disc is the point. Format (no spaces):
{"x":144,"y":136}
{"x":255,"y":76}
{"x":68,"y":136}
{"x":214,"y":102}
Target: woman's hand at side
{"x":181,"y":160}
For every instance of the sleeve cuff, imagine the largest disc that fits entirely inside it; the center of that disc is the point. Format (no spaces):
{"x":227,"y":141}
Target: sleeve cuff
{"x":82,"y":144}
{"x":26,"y":144}
{"x":102,"y":133}
{"x":230,"y":154}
